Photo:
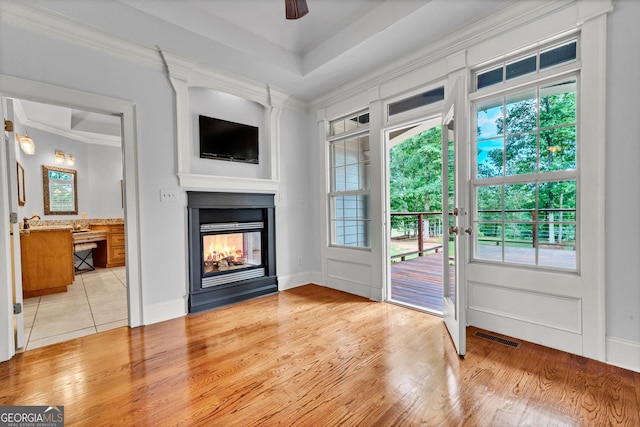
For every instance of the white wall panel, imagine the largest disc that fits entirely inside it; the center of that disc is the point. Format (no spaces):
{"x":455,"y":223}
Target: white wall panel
{"x":349,"y":271}
{"x":541,"y":309}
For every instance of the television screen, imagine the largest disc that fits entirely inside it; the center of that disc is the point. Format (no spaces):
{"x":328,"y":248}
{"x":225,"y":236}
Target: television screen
{"x":224,"y":140}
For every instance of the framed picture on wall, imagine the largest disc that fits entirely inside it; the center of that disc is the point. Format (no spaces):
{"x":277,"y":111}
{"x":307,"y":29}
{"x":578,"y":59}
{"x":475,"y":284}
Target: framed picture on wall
{"x":21,"y":197}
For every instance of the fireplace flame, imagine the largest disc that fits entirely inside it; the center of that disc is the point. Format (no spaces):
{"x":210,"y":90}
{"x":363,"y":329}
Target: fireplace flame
{"x":225,"y":251}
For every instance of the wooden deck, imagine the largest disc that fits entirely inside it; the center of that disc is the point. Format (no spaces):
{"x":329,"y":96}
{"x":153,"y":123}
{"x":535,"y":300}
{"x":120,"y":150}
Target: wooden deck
{"x":418,"y":282}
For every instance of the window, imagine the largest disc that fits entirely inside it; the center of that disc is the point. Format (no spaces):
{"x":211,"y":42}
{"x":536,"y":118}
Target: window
{"x":528,"y":64}
{"x":349,"y":188}
{"x":416,"y":101}
{"x":525,"y":175}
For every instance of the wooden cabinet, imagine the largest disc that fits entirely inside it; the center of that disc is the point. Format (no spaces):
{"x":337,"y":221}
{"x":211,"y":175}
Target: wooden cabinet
{"x":47,"y":262}
{"x":111,"y":252}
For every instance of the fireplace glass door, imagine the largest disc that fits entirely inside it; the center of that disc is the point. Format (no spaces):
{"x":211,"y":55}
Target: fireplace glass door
{"x":231,"y":251}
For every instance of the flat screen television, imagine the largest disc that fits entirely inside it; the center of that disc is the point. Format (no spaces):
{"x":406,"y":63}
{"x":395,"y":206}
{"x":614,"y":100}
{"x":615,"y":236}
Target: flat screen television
{"x":224,"y":140}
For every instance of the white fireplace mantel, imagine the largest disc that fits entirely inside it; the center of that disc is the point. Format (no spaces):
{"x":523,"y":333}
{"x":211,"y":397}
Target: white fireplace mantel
{"x":185,"y":73}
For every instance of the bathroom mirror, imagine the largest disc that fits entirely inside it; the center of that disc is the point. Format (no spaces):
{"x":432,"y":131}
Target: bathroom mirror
{"x":59,"y":187}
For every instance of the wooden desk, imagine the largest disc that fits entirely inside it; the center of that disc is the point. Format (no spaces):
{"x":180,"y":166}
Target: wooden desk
{"x":112,"y":252}
{"x":88,"y":236}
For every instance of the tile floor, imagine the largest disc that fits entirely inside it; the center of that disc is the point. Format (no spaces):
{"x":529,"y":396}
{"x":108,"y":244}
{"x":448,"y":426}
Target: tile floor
{"x":96,"y":302}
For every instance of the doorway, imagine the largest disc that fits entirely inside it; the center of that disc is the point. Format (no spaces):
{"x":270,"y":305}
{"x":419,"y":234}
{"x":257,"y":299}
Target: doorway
{"x":414,"y":241}
{"x":89,"y":146}
{"x":12,"y":87}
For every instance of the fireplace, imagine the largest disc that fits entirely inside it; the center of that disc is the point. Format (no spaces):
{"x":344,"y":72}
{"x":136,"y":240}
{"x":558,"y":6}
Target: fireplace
{"x":231,"y":248}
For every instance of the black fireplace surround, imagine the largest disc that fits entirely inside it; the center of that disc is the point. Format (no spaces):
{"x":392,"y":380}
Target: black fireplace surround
{"x":215,"y":284}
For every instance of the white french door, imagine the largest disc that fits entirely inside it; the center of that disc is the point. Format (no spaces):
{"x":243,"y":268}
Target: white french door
{"x":455,"y":217}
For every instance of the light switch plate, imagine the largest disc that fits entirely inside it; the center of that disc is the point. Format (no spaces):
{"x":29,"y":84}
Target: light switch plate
{"x":168,"y":195}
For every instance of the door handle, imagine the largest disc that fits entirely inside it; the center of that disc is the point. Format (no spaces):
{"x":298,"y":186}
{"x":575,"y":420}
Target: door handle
{"x":468,"y":230}
{"x":453,"y":230}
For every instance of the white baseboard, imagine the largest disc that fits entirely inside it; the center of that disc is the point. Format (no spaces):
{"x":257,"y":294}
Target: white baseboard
{"x":623,"y":353}
{"x":299,"y":279}
{"x":164,"y":311}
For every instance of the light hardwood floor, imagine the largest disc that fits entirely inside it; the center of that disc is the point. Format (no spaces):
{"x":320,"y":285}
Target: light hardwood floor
{"x":312,"y":356}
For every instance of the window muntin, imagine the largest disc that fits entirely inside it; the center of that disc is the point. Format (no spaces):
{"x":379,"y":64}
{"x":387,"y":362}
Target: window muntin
{"x":349,"y":194}
{"x":541,"y":59}
{"x":349,"y":123}
{"x":528,"y":131}
{"x":526,"y":176}
{"x":531,"y":223}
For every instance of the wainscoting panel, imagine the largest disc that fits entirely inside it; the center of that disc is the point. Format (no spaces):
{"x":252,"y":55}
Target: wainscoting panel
{"x":552,"y":311}
{"x":349,"y":271}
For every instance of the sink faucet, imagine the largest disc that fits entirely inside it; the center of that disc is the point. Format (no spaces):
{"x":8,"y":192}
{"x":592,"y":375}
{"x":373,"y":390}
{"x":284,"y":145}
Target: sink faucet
{"x":26,"y":220}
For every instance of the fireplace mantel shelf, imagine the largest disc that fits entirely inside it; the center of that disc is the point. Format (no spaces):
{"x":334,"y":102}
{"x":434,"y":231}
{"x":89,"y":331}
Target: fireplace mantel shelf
{"x":227,"y":183}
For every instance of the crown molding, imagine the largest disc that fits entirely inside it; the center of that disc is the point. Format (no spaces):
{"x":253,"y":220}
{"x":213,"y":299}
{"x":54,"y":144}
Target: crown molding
{"x":57,"y":26}
{"x":112,"y":141}
{"x":60,"y":27}
{"x":485,"y":28}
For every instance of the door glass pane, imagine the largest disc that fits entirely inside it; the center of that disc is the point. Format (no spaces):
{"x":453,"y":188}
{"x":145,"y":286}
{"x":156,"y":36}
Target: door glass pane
{"x":489,"y":119}
{"x":518,"y":243}
{"x":521,"y":112}
{"x":521,"y":155}
{"x":489,"y":241}
{"x":450,"y":258}
{"x":558,"y":104}
{"x":490,"y":158}
{"x":558,"y":149}
{"x":557,"y":224}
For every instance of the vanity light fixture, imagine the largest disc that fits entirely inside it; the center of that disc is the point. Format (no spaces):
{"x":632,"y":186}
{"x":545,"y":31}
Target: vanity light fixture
{"x":58,"y":158}
{"x":26,"y":143}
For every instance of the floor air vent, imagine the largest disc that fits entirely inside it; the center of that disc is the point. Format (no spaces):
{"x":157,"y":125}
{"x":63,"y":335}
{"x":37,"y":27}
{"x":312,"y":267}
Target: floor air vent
{"x":493,"y":338}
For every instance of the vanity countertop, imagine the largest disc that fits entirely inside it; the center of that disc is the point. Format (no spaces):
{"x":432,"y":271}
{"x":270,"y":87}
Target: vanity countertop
{"x":80,"y":225}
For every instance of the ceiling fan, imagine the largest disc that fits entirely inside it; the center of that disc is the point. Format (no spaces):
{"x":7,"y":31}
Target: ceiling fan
{"x":296,"y":9}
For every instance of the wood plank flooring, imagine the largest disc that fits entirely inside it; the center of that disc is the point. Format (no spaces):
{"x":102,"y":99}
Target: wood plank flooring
{"x":312,"y":356}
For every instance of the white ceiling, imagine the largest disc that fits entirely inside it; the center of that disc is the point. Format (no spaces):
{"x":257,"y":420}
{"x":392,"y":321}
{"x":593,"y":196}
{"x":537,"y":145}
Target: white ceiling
{"x":337,"y":42}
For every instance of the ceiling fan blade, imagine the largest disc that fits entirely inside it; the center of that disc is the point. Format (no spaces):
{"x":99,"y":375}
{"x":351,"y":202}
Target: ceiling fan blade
{"x":296,"y":8}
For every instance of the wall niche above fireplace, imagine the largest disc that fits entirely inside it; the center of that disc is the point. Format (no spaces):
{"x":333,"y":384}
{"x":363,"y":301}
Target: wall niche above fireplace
{"x":232,"y":249}
{"x":190,"y":79}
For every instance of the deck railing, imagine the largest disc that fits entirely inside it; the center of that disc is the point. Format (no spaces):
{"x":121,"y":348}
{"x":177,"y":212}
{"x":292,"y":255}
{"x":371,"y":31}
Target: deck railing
{"x":417,"y":223}
{"x":420,"y":216}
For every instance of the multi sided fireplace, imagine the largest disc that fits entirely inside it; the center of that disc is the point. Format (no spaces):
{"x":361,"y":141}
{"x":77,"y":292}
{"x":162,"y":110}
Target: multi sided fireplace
{"x":231,"y":248}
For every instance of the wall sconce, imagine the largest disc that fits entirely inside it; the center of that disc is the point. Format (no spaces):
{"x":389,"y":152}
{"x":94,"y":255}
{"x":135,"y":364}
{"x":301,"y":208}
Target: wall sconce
{"x":26,"y":143}
{"x":59,"y":158}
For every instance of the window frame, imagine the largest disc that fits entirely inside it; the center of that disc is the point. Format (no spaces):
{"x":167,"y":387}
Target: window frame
{"x":333,"y":195}
{"x":532,"y":82}
{"x":523,"y":54}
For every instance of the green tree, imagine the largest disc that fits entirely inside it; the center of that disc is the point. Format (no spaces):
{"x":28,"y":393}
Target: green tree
{"x":538,"y":137}
{"x":416,"y":173}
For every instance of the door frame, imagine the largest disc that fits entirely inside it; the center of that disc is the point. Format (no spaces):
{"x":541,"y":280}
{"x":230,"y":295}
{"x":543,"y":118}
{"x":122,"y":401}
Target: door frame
{"x":14,"y":87}
{"x":432,"y":117}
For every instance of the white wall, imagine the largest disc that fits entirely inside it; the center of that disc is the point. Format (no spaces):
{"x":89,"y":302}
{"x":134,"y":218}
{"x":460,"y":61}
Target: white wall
{"x":623,"y":178}
{"x":163,"y":237}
